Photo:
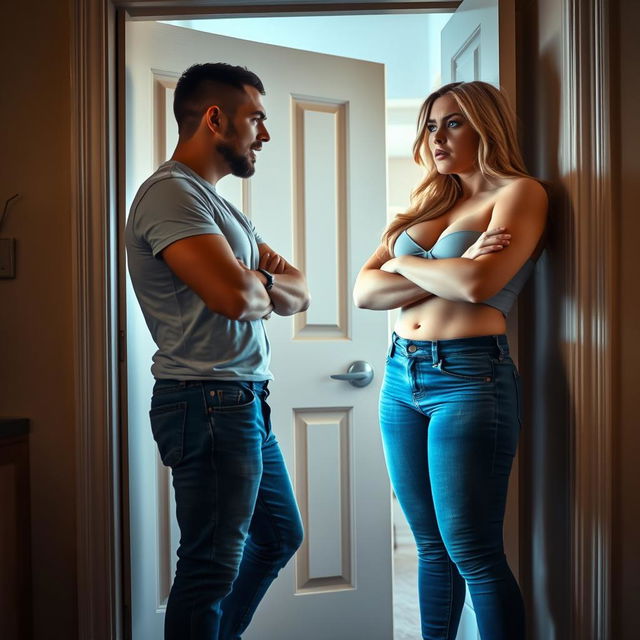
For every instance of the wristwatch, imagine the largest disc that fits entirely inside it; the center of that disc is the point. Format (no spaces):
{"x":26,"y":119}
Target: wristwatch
{"x":269,"y":276}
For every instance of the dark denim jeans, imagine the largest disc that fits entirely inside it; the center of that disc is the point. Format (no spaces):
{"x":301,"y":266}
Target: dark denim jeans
{"x":449,"y":412}
{"x":239,"y":522}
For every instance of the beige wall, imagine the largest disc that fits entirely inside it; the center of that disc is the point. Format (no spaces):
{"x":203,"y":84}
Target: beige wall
{"x":626,"y":593}
{"x":36,"y":375}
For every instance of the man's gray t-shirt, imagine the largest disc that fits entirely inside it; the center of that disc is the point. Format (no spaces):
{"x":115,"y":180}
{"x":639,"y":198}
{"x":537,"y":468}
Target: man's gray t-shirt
{"x":194,"y":343}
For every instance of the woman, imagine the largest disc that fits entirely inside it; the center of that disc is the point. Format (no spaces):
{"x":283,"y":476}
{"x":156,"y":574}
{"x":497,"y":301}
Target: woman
{"x":449,"y":405}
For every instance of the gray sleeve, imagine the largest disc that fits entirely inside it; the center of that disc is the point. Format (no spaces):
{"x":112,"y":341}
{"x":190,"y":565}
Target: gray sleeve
{"x":170,"y":210}
{"x":256,"y":235}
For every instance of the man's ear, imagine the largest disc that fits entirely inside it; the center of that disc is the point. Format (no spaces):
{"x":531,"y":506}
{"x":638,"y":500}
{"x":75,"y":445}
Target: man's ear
{"x":214,"y":119}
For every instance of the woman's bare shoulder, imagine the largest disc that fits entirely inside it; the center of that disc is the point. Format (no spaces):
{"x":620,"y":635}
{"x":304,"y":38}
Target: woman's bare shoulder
{"x":522,"y":186}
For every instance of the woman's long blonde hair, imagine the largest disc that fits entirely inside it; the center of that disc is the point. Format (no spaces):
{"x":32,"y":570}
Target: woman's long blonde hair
{"x":489,"y":113}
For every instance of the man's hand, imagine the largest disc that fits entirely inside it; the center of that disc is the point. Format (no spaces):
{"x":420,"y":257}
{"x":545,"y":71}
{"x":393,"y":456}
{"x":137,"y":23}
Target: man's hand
{"x":272,"y":262}
{"x":289,"y":293}
{"x":262,"y":279}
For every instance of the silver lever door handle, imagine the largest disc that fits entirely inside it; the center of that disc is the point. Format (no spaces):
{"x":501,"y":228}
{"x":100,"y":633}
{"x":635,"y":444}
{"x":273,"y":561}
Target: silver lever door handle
{"x":359,"y":374}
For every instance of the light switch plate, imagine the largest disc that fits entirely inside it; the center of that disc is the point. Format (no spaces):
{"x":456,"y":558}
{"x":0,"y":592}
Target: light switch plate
{"x":7,"y":258}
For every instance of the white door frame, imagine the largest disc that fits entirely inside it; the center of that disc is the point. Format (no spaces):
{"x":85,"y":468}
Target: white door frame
{"x":98,"y":263}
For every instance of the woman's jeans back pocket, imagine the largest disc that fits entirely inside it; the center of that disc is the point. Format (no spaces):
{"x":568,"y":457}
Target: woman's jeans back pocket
{"x":167,"y":426}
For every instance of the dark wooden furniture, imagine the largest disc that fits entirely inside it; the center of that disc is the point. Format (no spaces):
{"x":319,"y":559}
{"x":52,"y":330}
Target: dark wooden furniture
{"x":15,"y":531}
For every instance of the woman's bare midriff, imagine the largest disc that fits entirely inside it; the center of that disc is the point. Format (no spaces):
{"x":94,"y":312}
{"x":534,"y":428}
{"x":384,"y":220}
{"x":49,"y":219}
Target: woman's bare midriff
{"x":440,"y":319}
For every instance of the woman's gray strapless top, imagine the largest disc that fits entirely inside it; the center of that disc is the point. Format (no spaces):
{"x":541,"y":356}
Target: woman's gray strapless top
{"x":453,"y":245}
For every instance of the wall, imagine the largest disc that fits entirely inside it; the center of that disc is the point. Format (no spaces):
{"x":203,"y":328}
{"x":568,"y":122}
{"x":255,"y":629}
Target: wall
{"x":403,"y":176}
{"x":546,"y":439}
{"x":545,"y":454}
{"x":626,"y":586}
{"x":36,"y":375}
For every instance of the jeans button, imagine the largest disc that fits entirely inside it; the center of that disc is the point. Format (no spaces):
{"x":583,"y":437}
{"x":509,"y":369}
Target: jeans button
{"x":412,"y":348}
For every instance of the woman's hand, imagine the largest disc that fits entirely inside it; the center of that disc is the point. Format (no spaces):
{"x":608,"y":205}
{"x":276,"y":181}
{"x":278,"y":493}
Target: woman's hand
{"x":378,"y":286}
{"x":490,"y":241}
{"x":390,"y":266}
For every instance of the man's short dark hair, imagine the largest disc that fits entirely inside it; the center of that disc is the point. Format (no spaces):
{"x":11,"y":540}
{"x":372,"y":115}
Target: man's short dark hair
{"x":202,"y":85}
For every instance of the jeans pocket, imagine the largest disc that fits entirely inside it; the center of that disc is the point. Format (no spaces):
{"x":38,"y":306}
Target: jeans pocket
{"x":473,"y":367}
{"x":390,"y":351}
{"x":230,"y":397}
{"x":167,"y":426}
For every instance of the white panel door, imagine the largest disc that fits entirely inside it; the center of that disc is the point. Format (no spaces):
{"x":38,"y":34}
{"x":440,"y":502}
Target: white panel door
{"x":470,"y":43}
{"x":470,"y":51}
{"x":318,"y":197}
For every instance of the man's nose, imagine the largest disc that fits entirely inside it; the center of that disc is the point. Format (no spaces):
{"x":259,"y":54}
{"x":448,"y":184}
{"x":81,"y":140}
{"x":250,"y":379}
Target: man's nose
{"x":263,"y":134}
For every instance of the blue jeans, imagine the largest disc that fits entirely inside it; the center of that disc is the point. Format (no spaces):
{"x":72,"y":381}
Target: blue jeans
{"x":449,"y":413}
{"x":238,"y":518}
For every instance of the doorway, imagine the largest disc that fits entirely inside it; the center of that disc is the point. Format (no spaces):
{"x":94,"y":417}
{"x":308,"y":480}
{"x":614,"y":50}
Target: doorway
{"x":402,"y":102}
{"x":412,"y":71}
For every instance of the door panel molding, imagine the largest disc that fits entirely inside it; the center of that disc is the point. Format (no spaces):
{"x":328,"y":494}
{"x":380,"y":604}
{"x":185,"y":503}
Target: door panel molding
{"x":312,"y":152}
{"x":98,"y":263}
{"x":323,"y":441}
{"x":586,"y":165}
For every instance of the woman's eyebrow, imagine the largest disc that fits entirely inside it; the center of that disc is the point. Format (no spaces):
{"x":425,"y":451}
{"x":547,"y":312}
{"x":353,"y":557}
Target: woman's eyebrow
{"x":455,"y":113}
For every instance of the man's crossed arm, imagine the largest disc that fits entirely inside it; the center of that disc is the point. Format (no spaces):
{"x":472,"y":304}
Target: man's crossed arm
{"x":206,"y":264}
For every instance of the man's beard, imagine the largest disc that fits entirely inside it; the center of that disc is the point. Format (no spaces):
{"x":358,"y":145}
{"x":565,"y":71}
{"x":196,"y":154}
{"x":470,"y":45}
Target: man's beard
{"x":240,"y":165}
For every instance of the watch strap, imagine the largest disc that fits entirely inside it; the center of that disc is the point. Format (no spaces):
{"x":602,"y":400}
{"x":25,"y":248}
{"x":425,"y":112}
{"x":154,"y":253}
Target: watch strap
{"x":269,"y":276}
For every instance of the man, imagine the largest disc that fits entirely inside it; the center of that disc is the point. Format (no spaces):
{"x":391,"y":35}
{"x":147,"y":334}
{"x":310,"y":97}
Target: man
{"x":205,"y":281}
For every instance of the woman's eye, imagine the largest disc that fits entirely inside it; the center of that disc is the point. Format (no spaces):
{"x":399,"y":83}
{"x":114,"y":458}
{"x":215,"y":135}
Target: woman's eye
{"x":431,"y":127}
{"x":453,"y":123}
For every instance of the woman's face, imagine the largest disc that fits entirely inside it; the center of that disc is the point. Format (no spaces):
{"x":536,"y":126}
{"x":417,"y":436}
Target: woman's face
{"x":452,"y":140}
